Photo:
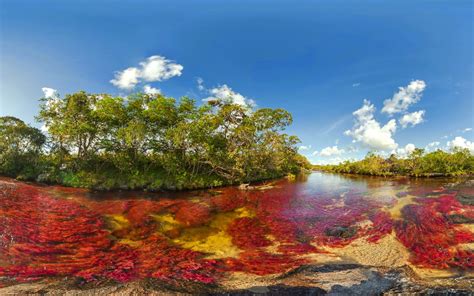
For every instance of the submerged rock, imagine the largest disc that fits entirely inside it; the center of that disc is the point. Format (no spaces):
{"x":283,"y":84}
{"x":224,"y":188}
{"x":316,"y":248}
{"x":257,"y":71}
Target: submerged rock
{"x":460,"y":219}
{"x":341,"y":231}
{"x":466,"y":199}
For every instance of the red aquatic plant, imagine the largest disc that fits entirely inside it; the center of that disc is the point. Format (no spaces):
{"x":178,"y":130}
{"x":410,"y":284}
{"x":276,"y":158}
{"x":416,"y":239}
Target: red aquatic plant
{"x":382,"y":224}
{"x":192,"y":214}
{"x":45,"y":232}
{"x":45,"y":236}
{"x":228,"y":200}
{"x":298,"y":249}
{"x":431,"y":237}
{"x":248,"y":233}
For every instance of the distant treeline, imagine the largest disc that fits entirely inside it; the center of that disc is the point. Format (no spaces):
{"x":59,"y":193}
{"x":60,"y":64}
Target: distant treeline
{"x":418,"y":163}
{"x":148,"y":142}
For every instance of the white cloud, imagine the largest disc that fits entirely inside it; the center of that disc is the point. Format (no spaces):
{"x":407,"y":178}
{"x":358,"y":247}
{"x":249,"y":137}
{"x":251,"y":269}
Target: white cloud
{"x":405,"y":97}
{"x":352,"y":149}
{"x":303,"y":147}
{"x":149,"y":90}
{"x":158,"y":68}
{"x":200,"y":83}
{"x":460,"y":142}
{"x":50,"y":93}
{"x":431,"y":146}
{"x":154,"y":68}
{"x":368,"y":131}
{"x":226,"y":94}
{"x":405,"y":151}
{"x":413,"y":118}
{"x":52,"y":97}
{"x":126,"y":79}
{"x":329,"y":151}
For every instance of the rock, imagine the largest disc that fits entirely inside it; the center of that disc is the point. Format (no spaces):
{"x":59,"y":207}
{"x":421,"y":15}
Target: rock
{"x":278,"y":290}
{"x":244,"y":186}
{"x":42,"y":178}
{"x":247,"y":186}
{"x":259,"y":290}
{"x":341,"y":231}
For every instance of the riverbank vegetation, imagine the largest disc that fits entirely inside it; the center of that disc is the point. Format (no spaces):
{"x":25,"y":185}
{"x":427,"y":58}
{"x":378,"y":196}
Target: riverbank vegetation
{"x":148,"y":142}
{"x":418,"y":164}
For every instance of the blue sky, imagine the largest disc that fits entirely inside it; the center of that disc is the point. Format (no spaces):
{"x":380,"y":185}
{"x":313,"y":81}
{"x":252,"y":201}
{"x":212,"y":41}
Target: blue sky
{"x":317,"y":59}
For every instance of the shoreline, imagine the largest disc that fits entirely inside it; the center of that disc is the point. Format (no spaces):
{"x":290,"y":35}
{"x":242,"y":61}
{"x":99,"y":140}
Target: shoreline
{"x":313,"y":279}
{"x":250,"y":185}
{"x":255,"y":184}
{"x":429,"y":176}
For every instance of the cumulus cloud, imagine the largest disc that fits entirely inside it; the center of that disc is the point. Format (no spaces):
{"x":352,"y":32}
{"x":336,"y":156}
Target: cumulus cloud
{"x":405,"y":151}
{"x":50,"y":93}
{"x":154,"y":68}
{"x":158,"y":68}
{"x":412,"y":119}
{"x":126,"y":79}
{"x":226,"y":94}
{"x":431,"y":146}
{"x":149,"y":90}
{"x":329,"y":151}
{"x":369,"y":132}
{"x":460,"y":142}
{"x":405,"y":97}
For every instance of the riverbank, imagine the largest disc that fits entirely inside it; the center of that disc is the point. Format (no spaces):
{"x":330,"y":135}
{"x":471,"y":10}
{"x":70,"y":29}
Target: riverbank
{"x":159,"y":185}
{"x":459,"y":162}
{"x":393,"y":175}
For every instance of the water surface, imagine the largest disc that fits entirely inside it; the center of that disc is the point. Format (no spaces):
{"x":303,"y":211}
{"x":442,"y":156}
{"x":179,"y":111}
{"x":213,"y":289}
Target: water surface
{"x":230,"y":237}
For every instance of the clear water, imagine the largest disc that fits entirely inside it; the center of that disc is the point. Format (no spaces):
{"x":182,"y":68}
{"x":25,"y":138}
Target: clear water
{"x":215,"y":237}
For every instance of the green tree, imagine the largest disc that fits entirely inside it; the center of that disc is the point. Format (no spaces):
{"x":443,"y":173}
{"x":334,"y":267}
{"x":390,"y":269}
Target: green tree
{"x":20,"y":148}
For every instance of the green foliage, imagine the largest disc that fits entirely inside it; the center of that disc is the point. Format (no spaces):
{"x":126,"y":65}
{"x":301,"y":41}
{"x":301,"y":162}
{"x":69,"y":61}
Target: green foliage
{"x":154,"y":142}
{"x":20,"y":148}
{"x":418,"y":164}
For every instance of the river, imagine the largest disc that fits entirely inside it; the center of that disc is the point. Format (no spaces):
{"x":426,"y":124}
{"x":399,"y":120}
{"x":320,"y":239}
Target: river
{"x":321,"y":233}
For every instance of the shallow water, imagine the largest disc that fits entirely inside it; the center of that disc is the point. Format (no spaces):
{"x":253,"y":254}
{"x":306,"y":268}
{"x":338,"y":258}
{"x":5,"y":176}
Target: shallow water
{"x":235,"y":238}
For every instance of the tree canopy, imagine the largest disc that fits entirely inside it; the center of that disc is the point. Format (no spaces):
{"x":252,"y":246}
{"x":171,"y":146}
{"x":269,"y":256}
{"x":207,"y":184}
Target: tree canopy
{"x":151,"y":141}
